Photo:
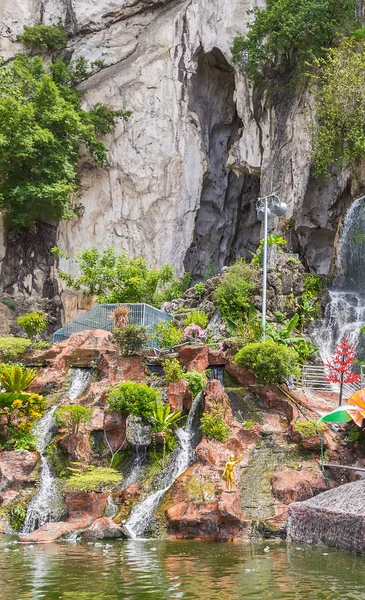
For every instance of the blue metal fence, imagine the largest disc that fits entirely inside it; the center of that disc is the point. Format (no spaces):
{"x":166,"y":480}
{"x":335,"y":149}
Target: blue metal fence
{"x":101,"y":317}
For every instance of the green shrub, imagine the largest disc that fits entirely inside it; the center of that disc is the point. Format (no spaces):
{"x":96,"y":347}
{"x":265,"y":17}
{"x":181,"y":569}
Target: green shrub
{"x":272,"y":240}
{"x":173,"y":370}
{"x":33,"y":323}
{"x":16,"y":514}
{"x":95,"y":479}
{"x":287,"y":34}
{"x":162,"y":418}
{"x":213,"y":425}
{"x":130,"y":338}
{"x":308,"y":428}
{"x":233,"y":294}
{"x":199,"y":289}
{"x":313,"y":286}
{"x":43,"y":37}
{"x":114,"y":278}
{"x":167,"y":334}
{"x":71,"y":416}
{"x":12,"y":348}
{"x":197,"y":317}
{"x":23,"y":442}
{"x":197,"y":381}
{"x":42,"y":129}
{"x":134,"y":399}
{"x":270,"y":362}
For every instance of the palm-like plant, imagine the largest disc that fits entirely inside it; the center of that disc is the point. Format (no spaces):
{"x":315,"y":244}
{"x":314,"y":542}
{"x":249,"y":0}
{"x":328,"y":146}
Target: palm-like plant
{"x":15,"y":378}
{"x":163,"y":419}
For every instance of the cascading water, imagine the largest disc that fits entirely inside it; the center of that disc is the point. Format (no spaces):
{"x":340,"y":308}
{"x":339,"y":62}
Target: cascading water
{"x":47,"y":505}
{"x":345,"y":311}
{"x":182,"y":458}
{"x":217,"y":372}
{"x":137,"y":467}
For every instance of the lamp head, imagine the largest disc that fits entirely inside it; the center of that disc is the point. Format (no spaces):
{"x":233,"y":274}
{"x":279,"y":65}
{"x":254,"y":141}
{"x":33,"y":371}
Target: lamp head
{"x":261,"y":213}
{"x":279,"y":209}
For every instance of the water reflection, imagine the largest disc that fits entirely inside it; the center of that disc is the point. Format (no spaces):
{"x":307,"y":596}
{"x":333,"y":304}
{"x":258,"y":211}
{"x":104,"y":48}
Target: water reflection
{"x":139,"y":570}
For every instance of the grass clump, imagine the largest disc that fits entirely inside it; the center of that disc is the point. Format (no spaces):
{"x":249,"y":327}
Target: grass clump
{"x":308,"y":428}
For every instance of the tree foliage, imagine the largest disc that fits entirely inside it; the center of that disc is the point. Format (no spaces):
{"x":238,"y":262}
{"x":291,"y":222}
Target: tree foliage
{"x":42,"y":127}
{"x":233,"y":294}
{"x":288,"y":33}
{"x":134,"y":399}
{"x":113,"y":277}
{"x":43,"y":37}
{"x":33,"y":323}
{"x":339,"y":133}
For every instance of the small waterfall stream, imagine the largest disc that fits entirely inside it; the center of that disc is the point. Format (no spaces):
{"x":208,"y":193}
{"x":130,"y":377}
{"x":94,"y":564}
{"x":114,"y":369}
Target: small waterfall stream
{"x":181,"y":459}
{"x":345,"y":311}
{"x":47,"y":505}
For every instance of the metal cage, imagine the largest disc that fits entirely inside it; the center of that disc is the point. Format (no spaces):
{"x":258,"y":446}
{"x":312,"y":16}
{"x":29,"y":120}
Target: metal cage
{"x":101,"y":317}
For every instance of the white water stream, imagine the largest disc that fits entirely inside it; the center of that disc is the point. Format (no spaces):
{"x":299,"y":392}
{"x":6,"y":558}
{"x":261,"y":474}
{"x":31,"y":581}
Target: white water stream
{"x":345,"y":311}
{"x":182,"y":458}
{"x":47,"y":505}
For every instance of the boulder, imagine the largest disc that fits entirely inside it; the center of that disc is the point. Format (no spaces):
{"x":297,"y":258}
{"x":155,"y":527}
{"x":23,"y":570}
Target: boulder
{"x":92,"y":504}
{"x":194,"y":357}
{"x":294,"y":486}
{"x":115,"y":429}
{"x":179,"y":396}
{"x":102,"y":529}
{"x":50,"y":532}
{"x":16,"y":469}
{"x":137,"y":433}
{"x":77,"y":447}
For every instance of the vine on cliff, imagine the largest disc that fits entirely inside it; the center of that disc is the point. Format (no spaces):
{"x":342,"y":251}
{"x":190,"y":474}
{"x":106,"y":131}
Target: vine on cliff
{"x":42,"y":127}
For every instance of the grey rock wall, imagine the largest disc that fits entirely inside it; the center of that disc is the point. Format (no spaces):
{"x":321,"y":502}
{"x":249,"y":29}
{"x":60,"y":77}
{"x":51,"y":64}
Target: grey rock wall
{"x":185,"y":170}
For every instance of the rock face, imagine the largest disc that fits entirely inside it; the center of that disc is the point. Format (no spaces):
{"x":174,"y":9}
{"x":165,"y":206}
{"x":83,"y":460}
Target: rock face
{"x":187,"y":167}
{"x":16,"y":469}
{"x":335,"y":518}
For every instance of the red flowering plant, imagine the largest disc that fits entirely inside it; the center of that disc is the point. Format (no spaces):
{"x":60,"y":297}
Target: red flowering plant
{"x":339,"y":366}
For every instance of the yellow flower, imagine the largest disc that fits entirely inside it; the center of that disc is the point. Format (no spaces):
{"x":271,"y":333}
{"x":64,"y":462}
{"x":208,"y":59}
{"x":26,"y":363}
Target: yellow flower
{"x":17,"y":404}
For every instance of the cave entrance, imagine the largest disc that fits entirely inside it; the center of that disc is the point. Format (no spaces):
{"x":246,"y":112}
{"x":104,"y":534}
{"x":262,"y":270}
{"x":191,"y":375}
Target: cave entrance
{"x":226,"y":225}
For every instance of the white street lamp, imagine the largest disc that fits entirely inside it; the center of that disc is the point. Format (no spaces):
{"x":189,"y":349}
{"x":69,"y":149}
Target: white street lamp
{"x":264,"y":206}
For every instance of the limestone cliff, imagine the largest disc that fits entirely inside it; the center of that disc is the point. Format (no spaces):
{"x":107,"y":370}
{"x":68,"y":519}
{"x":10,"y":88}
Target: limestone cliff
{"x":187,"y":167}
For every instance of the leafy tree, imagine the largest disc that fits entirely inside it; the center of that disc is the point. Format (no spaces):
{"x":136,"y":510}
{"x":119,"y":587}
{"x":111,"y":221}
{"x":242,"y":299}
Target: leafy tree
{"x":113,"y":277}
{"x":339,"y":133}
{"x":71,"y":416}
{"x":270,"y":362}
{"x":134,"y":399}
{"x":43,"y":37}
{"x":33,"y":323}
{"x":287,"y":34}
{"x":340,"y":364}
{"x":42,"y":127}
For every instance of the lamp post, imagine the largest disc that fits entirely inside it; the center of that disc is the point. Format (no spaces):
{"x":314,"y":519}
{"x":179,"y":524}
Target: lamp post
{"x":264,"y":206}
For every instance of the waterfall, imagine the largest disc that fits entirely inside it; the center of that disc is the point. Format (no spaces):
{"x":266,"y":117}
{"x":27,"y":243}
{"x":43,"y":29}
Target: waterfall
{"x":217,"y":372}
{"x":47,"y":505}
{"x":345,"y":311}
{"x":137,"y":468}
{"x":181,"y":459}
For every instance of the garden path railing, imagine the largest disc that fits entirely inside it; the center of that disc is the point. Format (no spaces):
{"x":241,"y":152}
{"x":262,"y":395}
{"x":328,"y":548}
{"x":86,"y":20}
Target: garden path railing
{"x":313,"y":378}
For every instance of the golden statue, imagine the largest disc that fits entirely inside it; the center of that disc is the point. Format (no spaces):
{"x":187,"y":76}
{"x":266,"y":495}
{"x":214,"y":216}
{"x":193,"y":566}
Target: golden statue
{"x":228,"y":472}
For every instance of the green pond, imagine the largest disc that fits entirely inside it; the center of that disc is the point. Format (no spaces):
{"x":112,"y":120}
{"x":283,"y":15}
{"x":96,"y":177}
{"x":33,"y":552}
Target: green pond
{"x":144,"y":569}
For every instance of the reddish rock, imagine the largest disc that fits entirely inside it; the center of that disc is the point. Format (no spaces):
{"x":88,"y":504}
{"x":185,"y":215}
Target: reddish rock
{"x":216,"y":357}
{"x":131,"y":493}
{"x":115,"y":428}
{"x":179,"y":396}
{"x":295,"y":486}
{"x":131,"y":368}
{"x":16,"y":469}
{"x":77,"y":447}
{"x":242,"y":375}
{"x":194,"y":357}
{"x":274,"y":399}
{"x":50,"y":532}
{"x":214,"y":394}
{"x":102,"y":529}
{"x":219,"y":520}
{"x":80,"y":504}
